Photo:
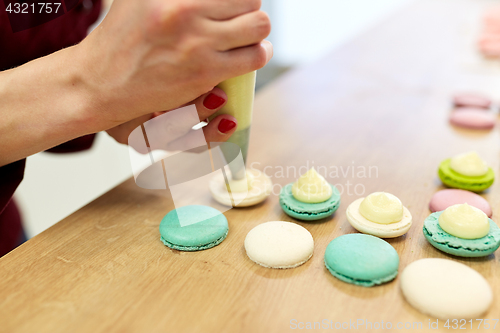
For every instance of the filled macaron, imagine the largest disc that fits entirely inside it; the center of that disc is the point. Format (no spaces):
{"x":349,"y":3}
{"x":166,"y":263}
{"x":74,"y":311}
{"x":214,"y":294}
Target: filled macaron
{"x":251,"y":190}
{"x":380,"y":214}
{"x":311,"y":197}
{"x":462,"y":230}
{"x":466,"y":171}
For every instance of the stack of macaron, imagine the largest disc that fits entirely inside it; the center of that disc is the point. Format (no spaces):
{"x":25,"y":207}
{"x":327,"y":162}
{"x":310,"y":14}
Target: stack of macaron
{"x":466,"y":171}
{"x":462,"y":230}
{"x":251,"y":190}
{"x":472,"y":111}
{"x":380,"y":214}
{"x":310,"y":198}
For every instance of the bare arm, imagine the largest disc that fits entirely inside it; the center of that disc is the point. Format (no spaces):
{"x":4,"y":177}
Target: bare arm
{"x":146,"y":56}
{"x":42,"y":104}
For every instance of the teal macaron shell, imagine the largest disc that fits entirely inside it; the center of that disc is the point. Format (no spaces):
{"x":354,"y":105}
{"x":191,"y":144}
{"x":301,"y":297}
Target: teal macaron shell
{"x":308,"y":211}
{"x":460,"y":247}
{"x":193,"y":228}
{"x":361,"y":259}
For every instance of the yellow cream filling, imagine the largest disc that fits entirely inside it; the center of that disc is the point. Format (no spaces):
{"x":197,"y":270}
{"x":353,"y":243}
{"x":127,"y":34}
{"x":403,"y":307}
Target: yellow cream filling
{"x":381,"y":207}
{"x":464,"y":221}
{"x":469,"y":164}
{"x":241,"y":185}
{"x":311,"y":187}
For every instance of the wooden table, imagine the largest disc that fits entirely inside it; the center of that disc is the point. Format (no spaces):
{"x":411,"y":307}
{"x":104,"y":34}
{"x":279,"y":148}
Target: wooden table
{"x":379,"y":103}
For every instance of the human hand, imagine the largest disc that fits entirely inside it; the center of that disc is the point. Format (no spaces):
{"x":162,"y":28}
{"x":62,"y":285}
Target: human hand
{"x":179,"y":136}
{"x":156,"y":55}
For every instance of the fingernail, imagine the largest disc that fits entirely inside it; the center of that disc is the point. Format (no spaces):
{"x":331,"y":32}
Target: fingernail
{"x":269,"y":48}
{"x":226,"y":125}
{"x":212,"y":101}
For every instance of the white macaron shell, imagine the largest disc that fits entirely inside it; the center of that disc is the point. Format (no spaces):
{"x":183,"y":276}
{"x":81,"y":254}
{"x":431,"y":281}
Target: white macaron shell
{"x":446,"y":289}
{"x":279,"y":244}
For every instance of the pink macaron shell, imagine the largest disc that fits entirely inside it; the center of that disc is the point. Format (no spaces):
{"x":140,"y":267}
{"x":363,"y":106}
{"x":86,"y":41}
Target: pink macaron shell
{"x":470,"y":108}
{"x":490,"y":29}
{"x":473,"y":119}
{"x":492,"y":16}
{"x":490,"y":50}
{"x":449,"y":197}
{"x":471,"y":100}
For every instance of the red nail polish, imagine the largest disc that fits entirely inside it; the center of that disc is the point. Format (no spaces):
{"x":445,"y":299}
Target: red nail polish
{"x":212,"y":101}
{"x":226,"y":125}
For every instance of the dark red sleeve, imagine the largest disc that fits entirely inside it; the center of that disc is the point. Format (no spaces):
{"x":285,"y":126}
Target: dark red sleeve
{"x":10,"y":177}
{"x":63,"y":31}
{"x":10,"y":220}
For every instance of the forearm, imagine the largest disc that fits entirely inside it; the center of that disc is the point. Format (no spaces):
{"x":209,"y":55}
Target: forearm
{"x":146,"y":56}
{"x":42,"y":104}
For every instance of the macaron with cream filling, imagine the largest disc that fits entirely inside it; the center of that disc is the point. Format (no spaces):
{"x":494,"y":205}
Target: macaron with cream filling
{"x":310,"y":198}
{"x":251,"y":190}
{"x":466,"y":171}
{"x":380,"y":214}
{"x":462,"y":230}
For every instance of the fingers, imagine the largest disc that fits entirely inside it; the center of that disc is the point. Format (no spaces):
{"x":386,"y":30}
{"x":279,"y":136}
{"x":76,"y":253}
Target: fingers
{"x":244,"y":30}
{"x":172,"y":131}
{"x":218,"y":130}
{"x":209,"y":103}
{"x":206,"y":105}
{"x":228,"y":9}
{"x":121,"y":132}
{"x":247,"y":59}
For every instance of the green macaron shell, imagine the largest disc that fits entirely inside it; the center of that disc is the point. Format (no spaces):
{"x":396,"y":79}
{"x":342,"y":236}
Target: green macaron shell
{"x":361,"y":259}
{"x":308,"y":211}
{"x":460,"y":247}
{"x":202,"y":228}
{"x":453,"y":179}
